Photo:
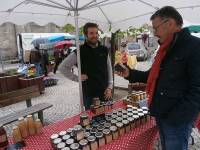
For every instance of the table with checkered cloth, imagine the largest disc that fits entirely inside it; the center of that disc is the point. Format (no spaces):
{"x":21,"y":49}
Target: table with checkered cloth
{"x":141,"y":138}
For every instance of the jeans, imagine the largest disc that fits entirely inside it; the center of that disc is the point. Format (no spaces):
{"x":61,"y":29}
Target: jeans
{"x":174,"y":137}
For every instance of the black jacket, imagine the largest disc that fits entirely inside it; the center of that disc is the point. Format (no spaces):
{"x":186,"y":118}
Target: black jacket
{"x":94,"y":65}
{"x":177,"y":94}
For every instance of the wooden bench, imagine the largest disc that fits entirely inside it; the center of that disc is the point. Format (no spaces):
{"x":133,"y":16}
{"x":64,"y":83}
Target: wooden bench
{"x":20,"y":95}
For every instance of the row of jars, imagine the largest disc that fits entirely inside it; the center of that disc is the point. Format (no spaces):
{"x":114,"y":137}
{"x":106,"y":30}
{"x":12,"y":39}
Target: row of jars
{"x":26,"y":127}
{"x":137,"y":96}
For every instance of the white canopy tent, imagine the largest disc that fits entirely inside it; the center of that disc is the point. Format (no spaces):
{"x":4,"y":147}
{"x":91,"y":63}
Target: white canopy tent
{"x":117,"y":14}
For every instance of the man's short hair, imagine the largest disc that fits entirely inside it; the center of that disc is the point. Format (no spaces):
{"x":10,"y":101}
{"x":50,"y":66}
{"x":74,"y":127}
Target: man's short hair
{"x":168,"y":12}
{"x":89,"y":25}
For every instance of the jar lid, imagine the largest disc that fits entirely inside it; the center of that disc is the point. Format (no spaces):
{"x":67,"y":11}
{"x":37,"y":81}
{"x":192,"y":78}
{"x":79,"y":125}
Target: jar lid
{"x":86,"y":134}
{"x":131,"y":119}
{"x":102,"y":121}
{"x":145,"y":112}
{"x":130,"y":114}
{"x":119,"y":119}
{"x":140,"y":114}
{"x":66,"y":137}
{"x":101,"y":128}
{"x":70,"y":141}
{"x":125,"y":122}
{"x":119,"y":124}
{"x":74,"y":146}
{"x":115,"y":112}
{"x":91,"y":138}
{"x":113,"y":121}
{"x":114,"y":116}
{"x":93,"y":131}
{"x":84,"y":116}
{"x":70,"y":130}
{"x":54,"y":136}
{"x":139,"y":110}
{"x":61,"y":145}
{"x":95,"y":124}
{"x":108,"y":114}
{"x":119,"y":114}
{"x":107,"y":125}
{"x":83,"y":142}
{"x":144,"y":108}
{"x":135,"y":116}
{"x":29,"y":116}
{"x":96,"y":98}
{"x":120,"y":110}
{"x":124,"y":111}
{"x":106,"y":131}
{"x":134,"y":108}
{"x":108,"y":118}
{"x":113,"y":128}
{"x":129,"y":109}
{"x":124,"y":116}
{"x":135,"y":112}
{"x":65,"y":148}
{"x":77,"y":127}
{"x":62,"y":133}
{"x":99,"y":135}
{"x":57,"y":141}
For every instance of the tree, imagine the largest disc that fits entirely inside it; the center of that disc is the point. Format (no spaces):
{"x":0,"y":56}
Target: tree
{"x":69,"y":28}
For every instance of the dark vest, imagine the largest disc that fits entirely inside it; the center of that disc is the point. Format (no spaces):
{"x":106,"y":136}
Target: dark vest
{"x":94,"y":65}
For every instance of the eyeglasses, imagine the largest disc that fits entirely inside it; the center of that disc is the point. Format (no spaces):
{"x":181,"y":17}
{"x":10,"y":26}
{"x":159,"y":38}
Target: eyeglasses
{"x":157,"y":27}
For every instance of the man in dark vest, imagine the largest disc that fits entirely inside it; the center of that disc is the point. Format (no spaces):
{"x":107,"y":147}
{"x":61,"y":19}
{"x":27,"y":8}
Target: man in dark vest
{"x":173,"y":81}
{"x":96,"y":67}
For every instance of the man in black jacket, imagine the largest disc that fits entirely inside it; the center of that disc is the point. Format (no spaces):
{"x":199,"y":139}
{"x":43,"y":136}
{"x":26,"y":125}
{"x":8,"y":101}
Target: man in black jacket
{"x":173,"y":82}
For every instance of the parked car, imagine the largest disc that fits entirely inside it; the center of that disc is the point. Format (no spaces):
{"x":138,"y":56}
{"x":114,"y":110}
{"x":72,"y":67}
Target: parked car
{"x":137,"y":49}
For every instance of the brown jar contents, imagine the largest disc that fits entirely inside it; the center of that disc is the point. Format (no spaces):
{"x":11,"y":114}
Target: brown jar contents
{"x":3,"y":137}
{"x":121,"y":129}
{"x":142,"y":118}
{"x":108,"y":136}
{"x":16,"y":134}
{"x":100,"y":138}
{"x":114,"y":131}
{"x":31,"y":125}
{"x":93,"y":142}
{"x":136,"y":120}
{"x":132,"y":124}
{"x":23,"y":127}
{"x":38,"y":126}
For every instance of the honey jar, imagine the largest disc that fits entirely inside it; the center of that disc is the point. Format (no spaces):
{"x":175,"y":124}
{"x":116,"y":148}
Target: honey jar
{"x":108,"y":135}
{"x":84,"y":144}
{"x":84,"y":119}
{"x":78,"y":132}
{"x":136,"y":120}
{"x":100,"y":138}
{"x":74,"y":146}
{"x":126,"y":125}
{"x":121,"y":129}
{"x":115,"y":133}
{"x":132,"y":124}
{"x":93,"y":142}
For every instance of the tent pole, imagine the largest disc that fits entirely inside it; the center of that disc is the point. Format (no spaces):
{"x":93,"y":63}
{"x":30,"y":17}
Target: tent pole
{"x":78,"y":60}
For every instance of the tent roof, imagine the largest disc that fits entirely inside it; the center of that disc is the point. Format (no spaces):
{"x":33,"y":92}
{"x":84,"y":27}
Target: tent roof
{"x":117,"y":13}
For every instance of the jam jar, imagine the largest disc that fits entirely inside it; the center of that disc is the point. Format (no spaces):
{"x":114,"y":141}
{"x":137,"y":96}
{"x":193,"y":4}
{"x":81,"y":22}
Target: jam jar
{"x":108,"y":135}
{"x":114,"y":131}
{"x":121,"y":129}
{"x":84,"y":120}
{"x":132,"y":123}
{"x":84,"y":144}
{"x":126,"y":125}
{"x":100,"y":138}
{"x":78,"y":132}
{"x":93,"y":142}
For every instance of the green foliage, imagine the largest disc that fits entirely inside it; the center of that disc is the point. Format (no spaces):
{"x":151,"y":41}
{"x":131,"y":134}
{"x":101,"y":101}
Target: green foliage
{"x":69,"y":28}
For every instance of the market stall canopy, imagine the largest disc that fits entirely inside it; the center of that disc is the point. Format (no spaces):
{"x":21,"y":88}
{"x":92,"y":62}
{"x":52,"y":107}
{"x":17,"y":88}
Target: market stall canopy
{"x":62,"y":44}
{"x":119,"y":14}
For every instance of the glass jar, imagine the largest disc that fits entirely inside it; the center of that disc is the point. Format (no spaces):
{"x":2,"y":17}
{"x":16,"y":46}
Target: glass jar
{"x":113,"y":122}
{"x":23,"y":127}
{"x":140,"y":110}
{"x":93,"y":131}
{"x":61,"y":145}
{"x":108,"y":136}
{"x":114,"y":131}
{"x":69,"y":141}
{"x":65,"y":137}
{"x":142,"y":118}
{"x":100,"y":138}
{"x":70,"y":130}
{"x":16,"y":134}
{"x":38,"y":126}
{"x":93,"y":142}
{"x":74,"y":146}
{"x":114,"y":112}
{"x":84,"y":145}
{"x":108,"y":119}
{"x":85,"y":120}
{"x":130,"y":110}
{"x":124,"y":112}
{"x":136,"y":120}
{"x":121,"y":129}
{"x":78,"y":132}
{"x":62,"y":133}
{"x":129,"y":114}
{"x":53,"y":137}
{"x":107,"y":125}
{"x":132,"y":124}
{"x":3,"y":137}
{"x":124,"y":116}
{"x":126,"y":125}
{"x":114,"y":116}
{"x":135,"y":112}
{"x":119,"y":119}
{"x":31,"y":125}
{"x":86,"y":134}
{"x":56,"y":142}
{"x":134,"y":108}
{"x":100,"y":128}
{"x":119,"y":114}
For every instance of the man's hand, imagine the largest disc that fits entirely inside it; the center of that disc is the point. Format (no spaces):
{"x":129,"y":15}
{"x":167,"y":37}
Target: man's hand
{"x":84,"y":77}
{"x":108,"y":93}
{"x":124,"y":74}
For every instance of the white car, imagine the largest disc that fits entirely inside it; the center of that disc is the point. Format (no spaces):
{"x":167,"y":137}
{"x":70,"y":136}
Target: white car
{"x":137,"y":49}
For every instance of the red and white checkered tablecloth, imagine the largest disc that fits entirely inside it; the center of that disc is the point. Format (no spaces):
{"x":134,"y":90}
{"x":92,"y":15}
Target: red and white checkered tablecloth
{"x":141,"y":138}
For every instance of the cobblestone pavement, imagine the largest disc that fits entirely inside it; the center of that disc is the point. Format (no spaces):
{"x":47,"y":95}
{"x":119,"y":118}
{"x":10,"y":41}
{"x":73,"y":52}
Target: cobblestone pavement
{"x":65,"y":100}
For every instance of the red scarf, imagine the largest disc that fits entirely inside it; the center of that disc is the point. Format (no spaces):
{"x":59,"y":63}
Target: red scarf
{"x":155,"y":70}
